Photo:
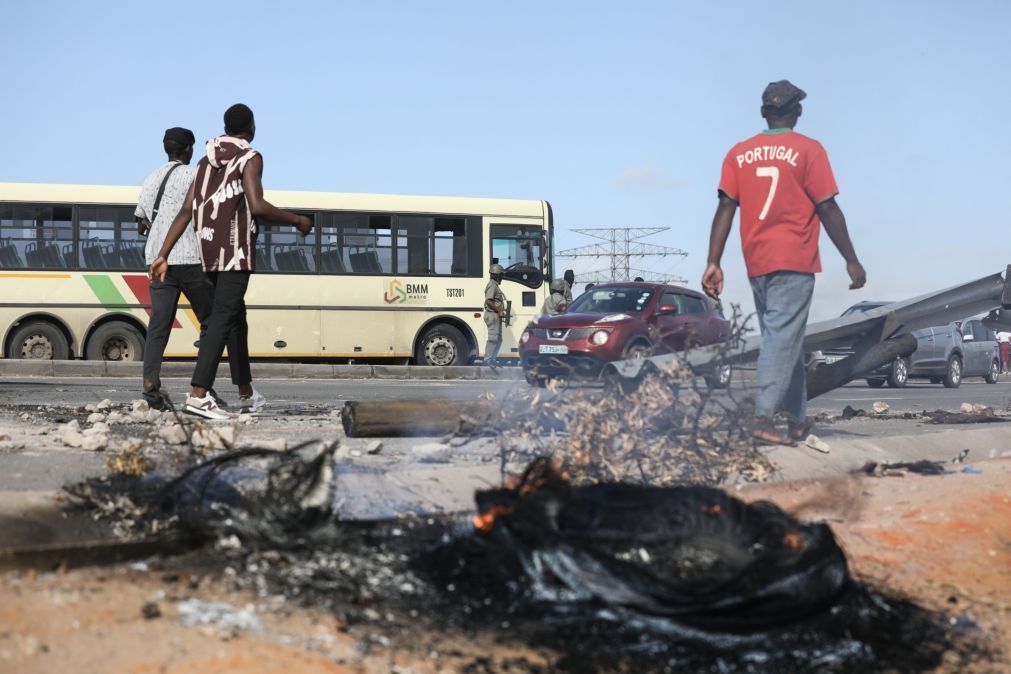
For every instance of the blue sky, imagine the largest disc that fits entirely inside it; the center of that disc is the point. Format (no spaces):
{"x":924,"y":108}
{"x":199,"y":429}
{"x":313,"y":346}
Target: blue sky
{"x":619,"y":114}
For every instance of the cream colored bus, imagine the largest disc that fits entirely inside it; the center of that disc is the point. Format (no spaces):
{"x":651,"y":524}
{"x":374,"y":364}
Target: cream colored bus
{"x":379,"y":277}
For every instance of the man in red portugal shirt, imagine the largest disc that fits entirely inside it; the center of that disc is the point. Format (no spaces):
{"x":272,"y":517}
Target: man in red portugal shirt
{"x":784,"y":186}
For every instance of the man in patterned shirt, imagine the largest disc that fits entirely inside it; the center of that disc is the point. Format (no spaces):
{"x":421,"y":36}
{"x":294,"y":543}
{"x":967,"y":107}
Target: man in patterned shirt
{"x":161,"y":197}
{"x":225,"y":201}
{"x":784,"y":185}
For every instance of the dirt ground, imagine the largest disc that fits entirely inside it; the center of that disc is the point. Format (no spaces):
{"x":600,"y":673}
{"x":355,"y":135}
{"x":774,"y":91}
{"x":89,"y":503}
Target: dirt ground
{"x":944,"y":541}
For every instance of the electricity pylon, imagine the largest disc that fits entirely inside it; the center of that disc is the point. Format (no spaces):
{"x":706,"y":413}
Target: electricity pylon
{"x":620,"y":245}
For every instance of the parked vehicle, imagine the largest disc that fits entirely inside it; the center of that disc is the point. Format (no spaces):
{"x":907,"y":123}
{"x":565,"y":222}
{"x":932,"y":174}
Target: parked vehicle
{"x":979,"y":355}
{"x":944,"y":354}
{"x":615,"y":321}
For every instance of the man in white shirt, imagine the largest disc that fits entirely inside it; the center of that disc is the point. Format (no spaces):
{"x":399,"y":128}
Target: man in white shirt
{"x":161,"y":198}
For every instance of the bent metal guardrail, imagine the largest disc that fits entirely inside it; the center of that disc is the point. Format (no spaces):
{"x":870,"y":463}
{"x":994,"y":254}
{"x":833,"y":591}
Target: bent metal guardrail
{"x":876,"y":336}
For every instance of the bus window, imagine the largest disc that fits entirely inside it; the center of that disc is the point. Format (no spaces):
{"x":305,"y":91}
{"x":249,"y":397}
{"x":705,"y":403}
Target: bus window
{"x":36,"y":237}
{"x":355,"y":243}
{"x":520,"y":249}
{"x":280,"y":248}
{"x":109,"y":238}
{"x":431,"y":245}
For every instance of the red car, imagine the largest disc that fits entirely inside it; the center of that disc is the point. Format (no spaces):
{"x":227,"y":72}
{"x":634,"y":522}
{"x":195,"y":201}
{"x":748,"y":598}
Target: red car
{"x":614,"y":321}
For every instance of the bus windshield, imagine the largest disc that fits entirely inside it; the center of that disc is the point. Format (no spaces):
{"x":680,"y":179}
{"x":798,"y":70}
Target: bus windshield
{"x":520,"y":250}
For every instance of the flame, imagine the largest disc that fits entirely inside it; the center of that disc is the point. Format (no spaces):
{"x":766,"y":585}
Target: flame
{"x":793,"y":541}
{"x":484,"y":522}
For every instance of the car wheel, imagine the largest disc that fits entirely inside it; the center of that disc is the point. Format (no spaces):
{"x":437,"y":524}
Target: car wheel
{"x":638,"y":349}
{"x":875,"y":383}
{"x":899,"y":375}
{"x":534,"y":380}
{"x":38,"y":340}
{"x":721,"y":378}
{"x":441,"y":345}
{"x":117,"y":341}
{"x":953,"y":375}
{"x":994,"y":374}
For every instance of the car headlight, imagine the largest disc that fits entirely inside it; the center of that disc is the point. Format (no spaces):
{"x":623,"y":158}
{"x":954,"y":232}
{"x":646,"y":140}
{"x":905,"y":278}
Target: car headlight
{"x":599,"y":337}
{"x":525,"y":337}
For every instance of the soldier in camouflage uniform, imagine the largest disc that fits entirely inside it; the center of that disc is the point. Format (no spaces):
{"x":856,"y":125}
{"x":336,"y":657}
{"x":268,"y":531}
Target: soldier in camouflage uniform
{"x":555,"y":303}
{"x":494,"y":313}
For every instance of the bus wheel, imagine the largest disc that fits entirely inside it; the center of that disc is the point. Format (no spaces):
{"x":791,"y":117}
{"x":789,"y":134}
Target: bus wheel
{"x":116,"y":341}
{"x":443,"y":345}
{"x":39,"y":340}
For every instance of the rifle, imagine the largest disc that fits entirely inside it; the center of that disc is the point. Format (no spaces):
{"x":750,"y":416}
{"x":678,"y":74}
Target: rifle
{"x":508,"y":313}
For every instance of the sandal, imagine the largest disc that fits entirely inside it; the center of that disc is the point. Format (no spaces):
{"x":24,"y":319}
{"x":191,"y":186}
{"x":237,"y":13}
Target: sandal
{"x":800,"y":431}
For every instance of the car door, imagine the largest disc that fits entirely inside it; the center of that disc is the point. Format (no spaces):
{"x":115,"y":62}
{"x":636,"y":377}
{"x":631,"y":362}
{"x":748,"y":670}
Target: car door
{"x":970,"y":350}
{"x":921,"y":358}
{"x":696,"y":327}
{"x":669,"y":321}
{"x":982,"y":350}
{"x":945,"y":339}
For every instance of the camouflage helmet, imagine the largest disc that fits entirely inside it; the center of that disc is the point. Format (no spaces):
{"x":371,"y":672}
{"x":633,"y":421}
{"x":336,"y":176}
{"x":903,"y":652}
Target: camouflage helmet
{"x":557,"y":286}
{"x":496,"y":269}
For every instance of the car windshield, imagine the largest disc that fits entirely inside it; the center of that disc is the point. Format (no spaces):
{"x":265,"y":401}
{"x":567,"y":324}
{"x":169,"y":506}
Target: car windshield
{"x":861,"y":308}
{"x":611,"y":301}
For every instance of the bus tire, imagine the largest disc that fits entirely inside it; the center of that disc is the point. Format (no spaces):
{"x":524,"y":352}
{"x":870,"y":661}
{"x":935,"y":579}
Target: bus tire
{"x":39,"y":340}
{"x":115,"y":340}
{"x":442,"y":345}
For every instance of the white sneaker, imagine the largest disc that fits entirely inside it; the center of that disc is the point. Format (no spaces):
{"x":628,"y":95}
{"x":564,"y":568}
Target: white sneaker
{"x":205,"y":407}
{"x":253,"y":403}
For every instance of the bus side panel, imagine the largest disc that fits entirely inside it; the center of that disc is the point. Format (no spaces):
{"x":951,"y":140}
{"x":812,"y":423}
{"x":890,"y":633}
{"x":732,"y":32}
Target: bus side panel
{"x":283,"y":316}
{"x":375,"y":316}
{"x":76,"y":300}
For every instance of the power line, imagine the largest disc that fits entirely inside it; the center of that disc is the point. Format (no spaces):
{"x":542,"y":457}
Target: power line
{"x":620,"y":245}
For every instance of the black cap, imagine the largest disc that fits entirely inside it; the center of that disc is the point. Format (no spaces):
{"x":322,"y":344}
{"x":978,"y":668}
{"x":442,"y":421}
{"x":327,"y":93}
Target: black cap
{"x":179,"y":135}
{"x":782,"y":95}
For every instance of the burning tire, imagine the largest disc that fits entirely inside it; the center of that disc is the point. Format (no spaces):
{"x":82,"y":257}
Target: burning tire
{"x":693,"y":555}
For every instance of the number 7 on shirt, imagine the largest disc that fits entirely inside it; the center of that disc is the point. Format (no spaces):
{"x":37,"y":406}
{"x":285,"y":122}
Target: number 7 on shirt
{"x":768,"y":172}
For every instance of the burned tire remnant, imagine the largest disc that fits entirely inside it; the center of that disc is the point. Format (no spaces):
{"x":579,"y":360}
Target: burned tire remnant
{"x":694,"y":555}
{"x":665,"y":580}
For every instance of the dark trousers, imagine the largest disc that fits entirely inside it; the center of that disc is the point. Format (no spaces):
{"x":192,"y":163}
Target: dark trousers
{"x":190,"y":280}
{"x":227,"y":325}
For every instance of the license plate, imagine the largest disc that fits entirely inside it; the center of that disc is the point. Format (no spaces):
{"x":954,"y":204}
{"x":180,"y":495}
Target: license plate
{"x":553,"y":348}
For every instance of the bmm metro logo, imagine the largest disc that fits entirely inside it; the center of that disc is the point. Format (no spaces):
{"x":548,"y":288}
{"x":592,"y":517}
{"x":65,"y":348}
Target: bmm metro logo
{"x":401,"y":293}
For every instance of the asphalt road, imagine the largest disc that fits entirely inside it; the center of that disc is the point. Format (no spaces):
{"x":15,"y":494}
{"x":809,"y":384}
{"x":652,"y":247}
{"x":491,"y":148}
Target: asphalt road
{"x":289,"y":393}
{"x":73,"y":391}
{"x":307,"y":402}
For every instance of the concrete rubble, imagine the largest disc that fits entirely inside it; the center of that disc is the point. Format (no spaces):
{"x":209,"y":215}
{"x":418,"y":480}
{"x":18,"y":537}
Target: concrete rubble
{"x":981,"y":410}
{"x":816,"y":443}
{"x":224,"y":618}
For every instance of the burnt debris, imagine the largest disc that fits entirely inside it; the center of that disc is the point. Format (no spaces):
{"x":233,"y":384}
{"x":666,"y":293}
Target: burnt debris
{"x":605,"y":577}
